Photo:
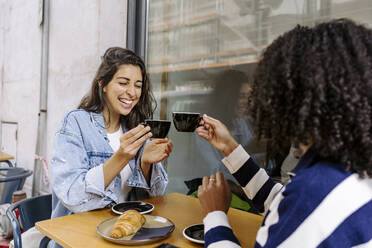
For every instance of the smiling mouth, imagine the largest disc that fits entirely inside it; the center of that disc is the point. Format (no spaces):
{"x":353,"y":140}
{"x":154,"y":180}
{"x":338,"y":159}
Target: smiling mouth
{"x":126,"y":102}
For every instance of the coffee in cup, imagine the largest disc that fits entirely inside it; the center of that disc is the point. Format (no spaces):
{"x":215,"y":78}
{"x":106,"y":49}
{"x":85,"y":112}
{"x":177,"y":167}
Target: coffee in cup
{"x":186,"y":121}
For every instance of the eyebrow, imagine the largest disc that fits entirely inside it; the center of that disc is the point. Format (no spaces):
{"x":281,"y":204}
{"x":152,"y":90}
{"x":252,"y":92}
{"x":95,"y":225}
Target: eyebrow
{"x":138,"y":81}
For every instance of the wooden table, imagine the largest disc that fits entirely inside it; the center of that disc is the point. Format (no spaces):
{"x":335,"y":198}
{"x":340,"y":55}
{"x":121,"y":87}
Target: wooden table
{"x":6,"y":158}
{"x":79,"y":230}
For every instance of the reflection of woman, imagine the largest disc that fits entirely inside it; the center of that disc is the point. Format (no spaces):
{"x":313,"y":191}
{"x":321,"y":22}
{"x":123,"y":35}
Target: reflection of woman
{"x":229,"y":103}
{"x":313,"y":87}
{"x":227,"y":100}
{"x":99,"y":154}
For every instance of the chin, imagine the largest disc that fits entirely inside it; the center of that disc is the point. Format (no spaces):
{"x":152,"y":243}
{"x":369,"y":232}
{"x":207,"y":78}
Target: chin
{"x":126,"y":112}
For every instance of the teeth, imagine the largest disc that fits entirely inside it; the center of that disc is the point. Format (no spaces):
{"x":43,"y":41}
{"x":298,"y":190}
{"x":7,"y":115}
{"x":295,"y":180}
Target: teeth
{"x":126,"y":101}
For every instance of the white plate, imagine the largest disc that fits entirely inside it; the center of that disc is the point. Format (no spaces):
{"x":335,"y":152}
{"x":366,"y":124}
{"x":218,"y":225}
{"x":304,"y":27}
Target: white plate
{"x":155,"y":228}
{"x":194,"y":233}
{"x":142,"y":207}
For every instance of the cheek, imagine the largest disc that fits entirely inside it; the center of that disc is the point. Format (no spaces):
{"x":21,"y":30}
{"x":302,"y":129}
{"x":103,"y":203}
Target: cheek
{"x":138,"y":93}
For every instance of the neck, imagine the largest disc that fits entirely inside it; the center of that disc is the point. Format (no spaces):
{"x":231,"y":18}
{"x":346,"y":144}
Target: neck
{"x":112,"y":121}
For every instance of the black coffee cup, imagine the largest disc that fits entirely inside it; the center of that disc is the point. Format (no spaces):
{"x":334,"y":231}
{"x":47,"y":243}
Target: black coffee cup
{"x":186,"y":121}
{"x":159,"y":128}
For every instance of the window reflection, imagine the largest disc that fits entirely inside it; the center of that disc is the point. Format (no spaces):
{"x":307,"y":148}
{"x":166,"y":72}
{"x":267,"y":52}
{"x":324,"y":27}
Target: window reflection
{"x":201,"y":57}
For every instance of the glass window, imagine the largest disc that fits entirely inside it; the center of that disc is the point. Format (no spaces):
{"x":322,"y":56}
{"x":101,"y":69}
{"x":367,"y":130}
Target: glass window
{"x":201,"y":56}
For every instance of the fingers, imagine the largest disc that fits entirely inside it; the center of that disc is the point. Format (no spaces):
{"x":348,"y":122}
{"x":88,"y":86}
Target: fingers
{"x":157,"y":150}
{"x":200,"y":190}
{"x":213,"y":194}
{"x":136,"y":130}
{"x":212,"y":180}
{"x":137,"y":143}
{"x":205,"y":183}
{"x":220,"y":179}
{"x":210,"y":121}
{"x":204,"y":133}
{"x":165,"y":144}
{"x":135,"y":133}
{"x":170,"y":147}
{"x":159,"y":141}
{"x":163,"y":156}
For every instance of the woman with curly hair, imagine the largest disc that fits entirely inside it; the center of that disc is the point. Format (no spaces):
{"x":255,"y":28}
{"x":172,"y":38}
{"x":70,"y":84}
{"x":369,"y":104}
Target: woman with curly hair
{"x":313,"y":87}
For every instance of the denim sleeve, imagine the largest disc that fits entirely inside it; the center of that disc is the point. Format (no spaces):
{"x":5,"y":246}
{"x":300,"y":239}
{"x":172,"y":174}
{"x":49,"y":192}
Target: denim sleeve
{"x":158,"y":181}
{"x":69,"y":168}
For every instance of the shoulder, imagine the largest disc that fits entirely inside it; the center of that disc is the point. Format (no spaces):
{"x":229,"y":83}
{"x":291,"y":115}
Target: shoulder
{"x":318,"y":180}
{"x":325,"y":191}
{"x":74,"y":120}
{"x":311,"y":186}
{"x":323,"y":175}
{"x":77,"y":114}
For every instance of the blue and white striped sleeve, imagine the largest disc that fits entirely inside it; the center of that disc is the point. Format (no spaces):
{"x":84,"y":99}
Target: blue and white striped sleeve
{"x":257,"y":185}
{"x":218,"y":233}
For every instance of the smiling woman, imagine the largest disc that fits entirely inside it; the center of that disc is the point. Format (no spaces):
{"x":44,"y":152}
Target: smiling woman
{"x":123,"y":93}
{"x":102,"y":155}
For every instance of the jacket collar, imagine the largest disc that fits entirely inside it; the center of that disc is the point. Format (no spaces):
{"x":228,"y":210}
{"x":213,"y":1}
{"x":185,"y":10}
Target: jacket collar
{"x":99,"y":122}
{"x":306,"y":161}
{"x":97,"y":119}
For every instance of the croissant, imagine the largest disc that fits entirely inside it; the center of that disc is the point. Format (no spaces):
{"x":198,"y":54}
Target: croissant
{"x":128,"y":223}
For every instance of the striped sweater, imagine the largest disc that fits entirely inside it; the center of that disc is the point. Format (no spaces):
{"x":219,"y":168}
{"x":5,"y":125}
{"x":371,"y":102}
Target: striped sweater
{"x":322,"y":206}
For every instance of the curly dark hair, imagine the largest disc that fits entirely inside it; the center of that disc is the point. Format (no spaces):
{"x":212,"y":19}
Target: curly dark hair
{"x":316,"y":84}
{"x":95,"y":100}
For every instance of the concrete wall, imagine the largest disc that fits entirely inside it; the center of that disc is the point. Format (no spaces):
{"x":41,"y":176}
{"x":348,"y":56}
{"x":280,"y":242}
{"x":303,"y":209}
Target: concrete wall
{"x":20,"y":75}
{"x":79,"y":33}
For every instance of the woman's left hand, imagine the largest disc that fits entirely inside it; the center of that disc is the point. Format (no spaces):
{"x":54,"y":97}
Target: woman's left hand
{"x":214,"y":194}
{"x":156,"y":150}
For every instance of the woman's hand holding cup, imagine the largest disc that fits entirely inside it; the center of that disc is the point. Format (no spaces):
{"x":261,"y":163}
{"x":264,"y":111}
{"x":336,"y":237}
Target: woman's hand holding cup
{"x":217,"y":134}
{"x":131,"y":141}
{"x":156,"y":150}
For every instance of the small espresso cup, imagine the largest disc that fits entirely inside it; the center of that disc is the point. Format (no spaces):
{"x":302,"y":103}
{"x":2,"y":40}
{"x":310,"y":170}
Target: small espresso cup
{"x":159,"y":128}
{"x":186,"y":121}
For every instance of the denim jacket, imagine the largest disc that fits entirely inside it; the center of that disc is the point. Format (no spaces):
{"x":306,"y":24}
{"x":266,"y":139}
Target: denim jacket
{"x":81,"y":145}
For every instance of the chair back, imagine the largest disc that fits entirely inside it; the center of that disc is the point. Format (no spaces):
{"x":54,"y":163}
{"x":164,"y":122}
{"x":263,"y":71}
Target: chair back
{"x":13,"y":178}
{"x":30,"y":211}
{"x":34,"y":209}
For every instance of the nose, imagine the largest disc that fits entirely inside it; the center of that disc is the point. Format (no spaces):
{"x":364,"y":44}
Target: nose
{"x":131,"y":91}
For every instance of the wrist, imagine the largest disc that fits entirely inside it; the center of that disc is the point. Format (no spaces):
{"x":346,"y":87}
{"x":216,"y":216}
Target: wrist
{"x":230,"y":147}
{"x":145,"y":166}
{"x":146,"y":170}
{"x":120,"y":158}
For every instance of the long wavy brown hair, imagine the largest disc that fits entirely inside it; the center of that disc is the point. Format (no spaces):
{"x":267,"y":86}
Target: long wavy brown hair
{"x":95,"y":100}
{"x":317,"y":83}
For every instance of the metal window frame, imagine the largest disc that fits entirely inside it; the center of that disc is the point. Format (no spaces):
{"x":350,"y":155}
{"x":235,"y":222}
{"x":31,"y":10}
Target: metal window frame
{"x":137,"y":23}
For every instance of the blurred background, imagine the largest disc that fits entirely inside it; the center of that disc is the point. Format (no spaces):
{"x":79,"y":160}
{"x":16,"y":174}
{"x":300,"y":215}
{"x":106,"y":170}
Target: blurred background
{"x":201,"y":55}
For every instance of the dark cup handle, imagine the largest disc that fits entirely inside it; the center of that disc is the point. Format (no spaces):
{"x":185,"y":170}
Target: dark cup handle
{"x":200,"y":118}
{"x":143,"y":124}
